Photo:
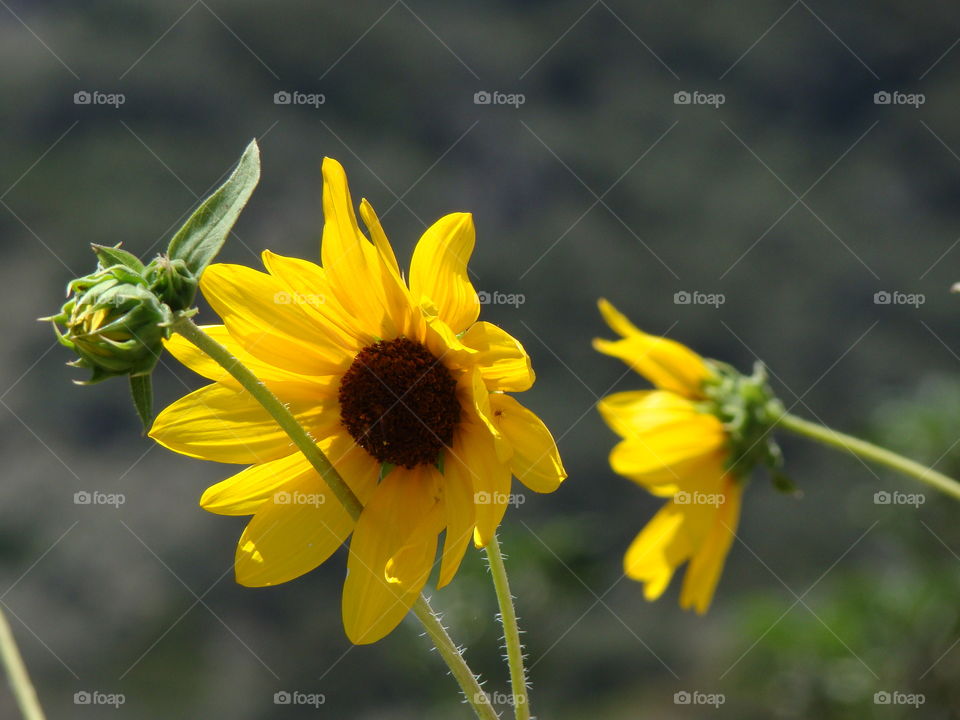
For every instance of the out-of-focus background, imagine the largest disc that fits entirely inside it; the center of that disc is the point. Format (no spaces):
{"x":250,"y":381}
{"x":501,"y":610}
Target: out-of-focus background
{"x":726,"y":173}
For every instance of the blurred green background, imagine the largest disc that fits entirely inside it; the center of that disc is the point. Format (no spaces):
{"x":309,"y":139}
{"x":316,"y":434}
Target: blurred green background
{"x":798,"y":199}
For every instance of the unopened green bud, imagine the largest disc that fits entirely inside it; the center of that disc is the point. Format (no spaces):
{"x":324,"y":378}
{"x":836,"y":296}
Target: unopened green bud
{"x":113,"y":322}
{"x":172,"y":282}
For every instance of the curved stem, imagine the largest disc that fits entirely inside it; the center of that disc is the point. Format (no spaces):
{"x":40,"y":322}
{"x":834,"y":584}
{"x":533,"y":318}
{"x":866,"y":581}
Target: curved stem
{"x":511,"y":630}
{"x":469,"y":686}
{"x":278,"y":411}
{"x":871,"y":452}
{"x":17,"y":674}
{"x":451,"y":655}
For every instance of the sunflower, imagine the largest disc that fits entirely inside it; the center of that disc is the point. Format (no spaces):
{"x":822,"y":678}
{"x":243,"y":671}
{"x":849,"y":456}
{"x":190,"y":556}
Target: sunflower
{"x":676,"y":445}
{"x":403,"y":390}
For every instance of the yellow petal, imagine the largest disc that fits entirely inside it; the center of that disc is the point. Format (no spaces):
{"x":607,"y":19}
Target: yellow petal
{"x":535,"y":460}
{"x":667,"y":541}
{"x":359,"y":274}
{"x":702,"y":473}
{"x":308,"y":287}
{"x":391,"y":553}
{"x":459,"y":514}
{"x":292,"y":532}
{"x":703,"y":573}
{"x":633,"y":413}
{"x":475,"y":409}
{"x":662,"y":446}
{"x":226,"y":425}
{"x":474,"y":456}
{"x":504,"y":364}
{"x":438,"y":270}
{"x":245,"y":492}
{"x":664,"y":362}
{"x":254,"y":306}
{"x":379,"y":237}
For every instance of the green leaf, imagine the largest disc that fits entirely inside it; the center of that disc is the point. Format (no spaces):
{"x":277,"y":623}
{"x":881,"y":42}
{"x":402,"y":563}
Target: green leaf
{"x":141,"y":389}
{"x":110,"y":256}
{"x":200,"y":239}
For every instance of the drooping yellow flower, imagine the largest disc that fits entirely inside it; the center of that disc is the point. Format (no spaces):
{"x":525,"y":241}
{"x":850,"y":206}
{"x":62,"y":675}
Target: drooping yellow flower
{"x":675,"y":446}
{"x":403,"y":390}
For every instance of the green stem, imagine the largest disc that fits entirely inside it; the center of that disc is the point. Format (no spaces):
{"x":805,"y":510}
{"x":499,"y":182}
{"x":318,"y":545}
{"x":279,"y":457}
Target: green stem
{"x":20,"y":683}
{"x":278,"y":411}
{"x":183,"y":325}
{"x":451,"y":655}
{"x":511,"y":630}
{"x":871,"y":452}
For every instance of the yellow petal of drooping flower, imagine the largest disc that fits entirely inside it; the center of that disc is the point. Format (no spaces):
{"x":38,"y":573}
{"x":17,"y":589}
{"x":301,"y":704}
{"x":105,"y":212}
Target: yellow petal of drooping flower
{"x":402,"y":390}
{"x":675,"y":447}
{"x":664,"y":362}
{"x":438,"y":271}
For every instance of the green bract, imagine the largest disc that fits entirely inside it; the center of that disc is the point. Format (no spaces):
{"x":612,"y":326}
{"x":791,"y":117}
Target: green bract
{"x":116,"y":318}
{"x":114,"y":323}
{"x":749,"y":410}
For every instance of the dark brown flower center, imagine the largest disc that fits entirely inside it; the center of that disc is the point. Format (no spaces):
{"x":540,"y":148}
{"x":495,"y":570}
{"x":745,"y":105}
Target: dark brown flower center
{"x":399,"y":403}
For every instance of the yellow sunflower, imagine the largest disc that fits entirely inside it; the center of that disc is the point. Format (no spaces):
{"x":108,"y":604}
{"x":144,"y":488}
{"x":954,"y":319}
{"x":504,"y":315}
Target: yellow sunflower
{"x":675,"y":446}
{"x":401,"y":387}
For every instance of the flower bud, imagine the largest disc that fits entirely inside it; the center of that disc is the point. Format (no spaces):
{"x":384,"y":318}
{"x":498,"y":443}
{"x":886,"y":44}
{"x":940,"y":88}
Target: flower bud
{"x":171,"y":281}
{"x":113,"y":322}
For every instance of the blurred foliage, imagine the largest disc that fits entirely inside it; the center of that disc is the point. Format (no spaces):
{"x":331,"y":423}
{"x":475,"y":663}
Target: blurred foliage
{"x":140,"y":600}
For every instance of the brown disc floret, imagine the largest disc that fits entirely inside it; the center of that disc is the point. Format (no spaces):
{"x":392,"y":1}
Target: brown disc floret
{"x":399,"y":403}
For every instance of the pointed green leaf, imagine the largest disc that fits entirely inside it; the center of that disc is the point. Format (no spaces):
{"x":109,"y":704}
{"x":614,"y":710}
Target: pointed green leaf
{"x":110,"y":256}
{"x":141,"y":389}
{"x":202,"y":236}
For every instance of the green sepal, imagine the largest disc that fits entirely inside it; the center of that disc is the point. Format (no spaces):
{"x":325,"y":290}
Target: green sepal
{"x":141,"y":390}
{"x":385,"y":469}
{"x":110,"y":256}
{"x":202,"y":236}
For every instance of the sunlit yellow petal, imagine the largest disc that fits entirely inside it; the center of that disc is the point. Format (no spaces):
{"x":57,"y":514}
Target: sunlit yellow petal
{"x":226,"y":425}
{"x":633,"y":413}
{"x":245,"y":492}
{"x":504,"y":364}
{"x":391,"y":553}
{"x":664,"y":445}
{"x":360,"y":276}
{"x":664,"y":362}
{"x":308,"y":288}
{"x":668,"y":540}
{"x":475,"y":405}
{"x":292,"y":533}
{"x":254,"y":307}
{"x":703,"y":573}
{"x":459,"y":514}
{"x":438,"y":270}
{"x":535,"y":460}
{"x":473,"y":455}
